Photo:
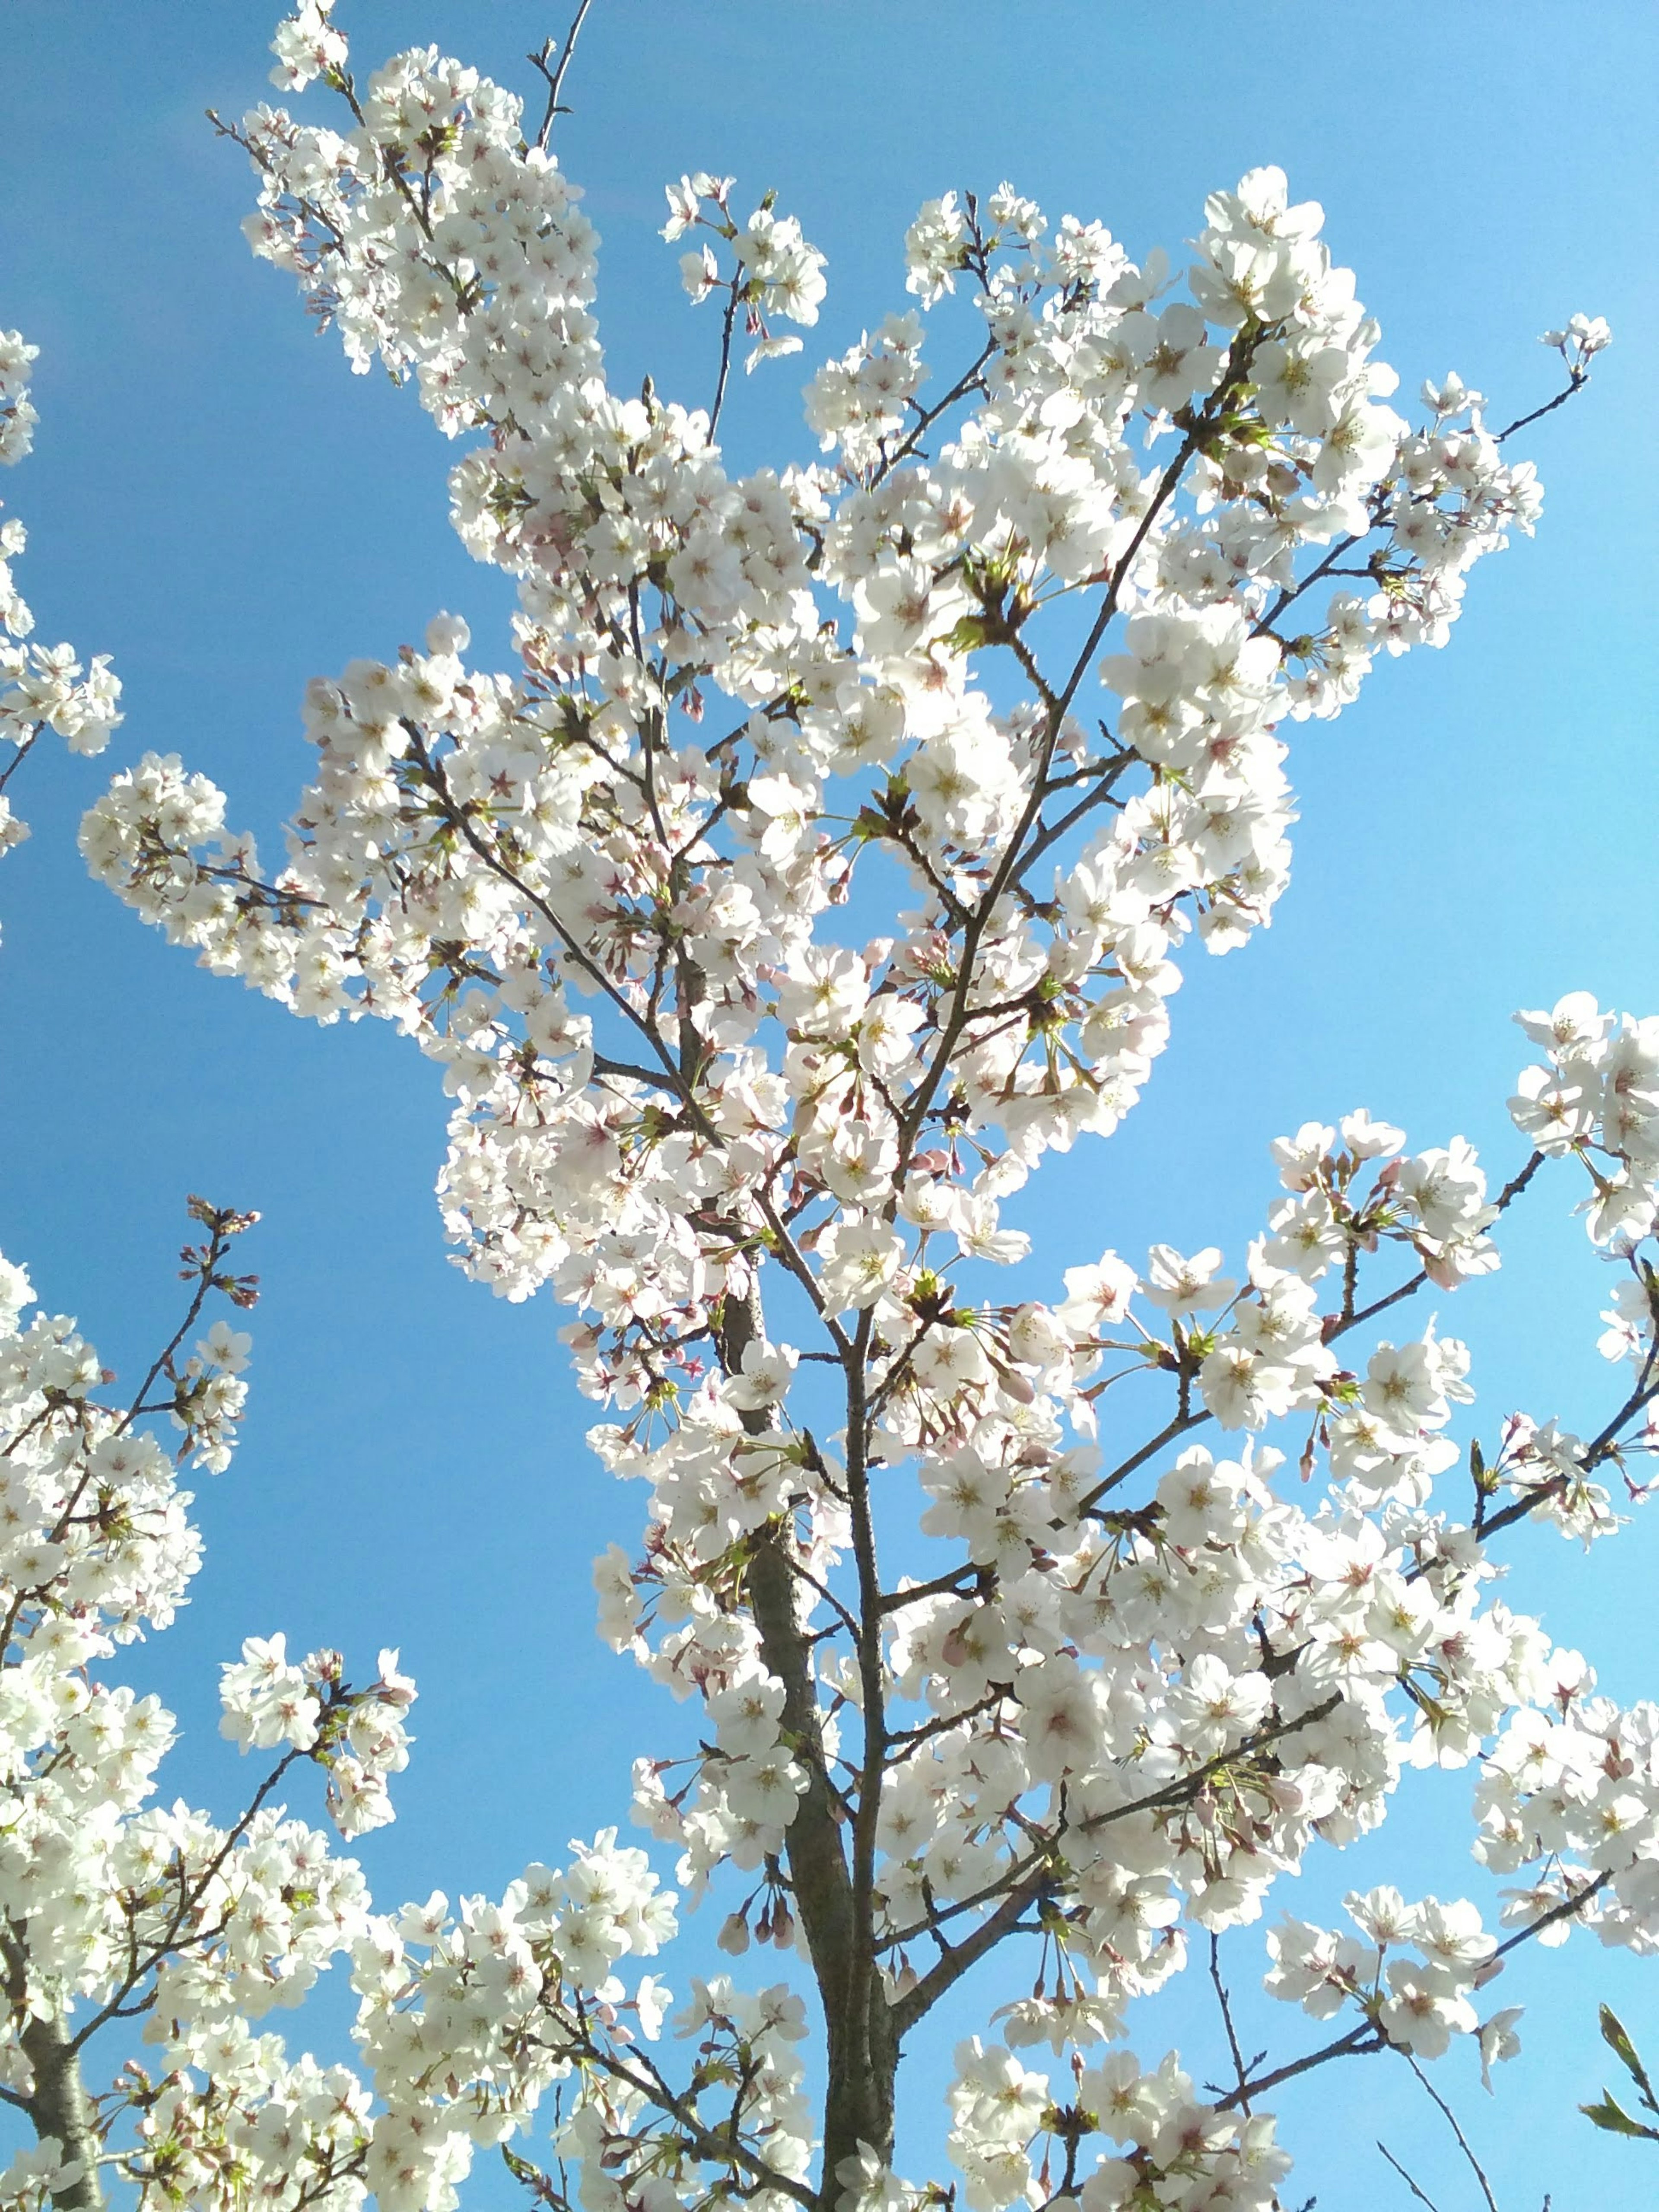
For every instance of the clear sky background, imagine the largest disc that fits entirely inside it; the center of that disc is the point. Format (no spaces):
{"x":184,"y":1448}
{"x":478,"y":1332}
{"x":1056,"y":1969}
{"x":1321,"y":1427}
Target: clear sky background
{"x":217,"y":501}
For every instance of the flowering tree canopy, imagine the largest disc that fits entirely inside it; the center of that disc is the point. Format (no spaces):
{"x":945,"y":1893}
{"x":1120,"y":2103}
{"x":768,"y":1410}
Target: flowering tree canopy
{"x":829,"y":857}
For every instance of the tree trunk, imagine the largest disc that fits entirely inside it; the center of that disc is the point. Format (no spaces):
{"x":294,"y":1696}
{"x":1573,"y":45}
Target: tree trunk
{"x":61,"y":2109}
{"x":863,"y":2053}
{"x":858,"y":2108}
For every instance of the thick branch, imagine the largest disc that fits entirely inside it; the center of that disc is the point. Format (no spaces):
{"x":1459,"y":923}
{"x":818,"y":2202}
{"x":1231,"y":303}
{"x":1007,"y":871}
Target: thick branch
{"x":60,"y":2109}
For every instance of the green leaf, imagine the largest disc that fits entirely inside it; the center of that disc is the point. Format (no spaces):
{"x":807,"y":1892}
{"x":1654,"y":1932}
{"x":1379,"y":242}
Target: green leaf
{"x":1615,"y":2036}
{"x":539,"y":2185}
{"x":968,"y":635}
{"x":1607,"y":2115}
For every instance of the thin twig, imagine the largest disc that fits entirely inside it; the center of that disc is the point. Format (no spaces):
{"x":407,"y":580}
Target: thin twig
{"x":927,"y":416}
{"x":1227,"y":2022}
{"x":1359,"y":2042}
{"x":1580,"y":378}
{"x":1565,"y":1911}
{"x":1451,"y":2122}
{"x":727,"y":323}
{"x":1421,"y":2195}
{"x":556,"y":75}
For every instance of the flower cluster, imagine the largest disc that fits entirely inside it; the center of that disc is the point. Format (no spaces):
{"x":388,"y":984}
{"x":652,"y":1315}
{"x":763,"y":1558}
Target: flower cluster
{"x":1571,"y":1789}
{"x":113,"y":1906}
{"x":41,"y":687}
{"x":307,"y":46}
{"x":17,"y":413}
{"x":1597,"y":1097}
{"x":467,"y":2018}
{"x":1578,"y":343}
{"x":1411,"y":1971}
{"x":1183,"y":2152}
{"x":777,"y":272}
{"x":360,"y":1738}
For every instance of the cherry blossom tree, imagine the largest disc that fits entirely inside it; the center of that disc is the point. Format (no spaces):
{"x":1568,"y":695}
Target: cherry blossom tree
{"x":829,"y":857}
{"x":113,"y":1910}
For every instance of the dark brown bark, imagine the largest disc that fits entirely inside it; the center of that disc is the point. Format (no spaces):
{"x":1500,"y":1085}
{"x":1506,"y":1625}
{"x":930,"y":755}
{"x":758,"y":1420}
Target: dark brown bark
{"x":60,"y":2107}
{"x":862,"y":2037}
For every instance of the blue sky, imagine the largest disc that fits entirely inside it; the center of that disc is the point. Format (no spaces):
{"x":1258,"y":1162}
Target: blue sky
{"x":217,"y":501}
